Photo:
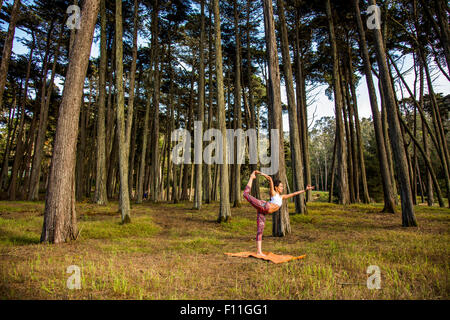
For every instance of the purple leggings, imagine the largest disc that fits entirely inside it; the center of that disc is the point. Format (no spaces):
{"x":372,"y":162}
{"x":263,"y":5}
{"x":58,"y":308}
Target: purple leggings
{"x":262,"y":208}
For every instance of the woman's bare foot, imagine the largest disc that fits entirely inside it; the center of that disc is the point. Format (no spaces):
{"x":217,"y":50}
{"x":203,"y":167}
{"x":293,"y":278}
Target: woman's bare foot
{"x":261,"y":254}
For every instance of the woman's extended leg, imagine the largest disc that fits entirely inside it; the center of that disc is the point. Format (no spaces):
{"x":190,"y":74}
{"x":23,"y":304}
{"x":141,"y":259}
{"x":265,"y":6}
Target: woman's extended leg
{"x":259,"y":205}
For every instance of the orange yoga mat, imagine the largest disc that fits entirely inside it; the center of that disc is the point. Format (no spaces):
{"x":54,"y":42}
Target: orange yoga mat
{"x":275,"y":258}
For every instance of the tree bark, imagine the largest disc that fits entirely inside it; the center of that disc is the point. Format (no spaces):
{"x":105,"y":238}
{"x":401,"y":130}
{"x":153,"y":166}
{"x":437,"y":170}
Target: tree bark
{"x":60,"y":222}
{"x":20,"y":143}
{"x":7,"y":49}
{"x":154,"y":183}
{"x":408,"y":217}
{"x":297,"y":163}
{"x":302,"y":107}
{"x":281,"y":224}
{"x":349,"y":141}
{"x":224,"y":209}
{"x":237,"y":108}
{"x":123,"y":147}
{"x":389,"y":202}
{"x":100,"y":181}
{"x":209,"y":171}
{"x":360,"y":151}
{"x":343,"y":189}
{"x":43,"y":122}
{"x":198,"y":192}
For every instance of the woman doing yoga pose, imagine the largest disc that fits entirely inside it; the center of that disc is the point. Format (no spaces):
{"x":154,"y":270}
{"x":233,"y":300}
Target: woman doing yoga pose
{"x":267,"y":207}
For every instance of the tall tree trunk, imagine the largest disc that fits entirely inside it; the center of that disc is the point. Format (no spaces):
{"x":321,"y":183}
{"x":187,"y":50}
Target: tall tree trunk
{"x":297,"y":163}
{"x":123,"y":147}
{"x":224,"y":209}
{"x":132,"y":167}
{"x":7,"y":49}
{"x":18,"y":157}
{"x":389,"y":202}
{"x":209,"y":171}
{"x":408,"y":217}
{"x":428,"y":179}
{"x":9,"y":141}
{"x":237,"y":108}
{"x":349,"y":141}
{"x":353,"y":138}
{"x":425,"y":158}
{"x":43,"y":122}
{"x":34,"y":174}
{"x":29,"y":143}
{"x":154,"y":194}
{"x":419,"y":106}
{"x":175,"y":194}
{"x":387,"y":143}
{"x":360,"y":151}
{"x":333,"y":167}
{"x":185,"y":192}
{"x":81,"y":154}
{"x":100,"y":181}
{"x":131,"y":94}
{"x":60,"y":222}
{"x":343,"y":189}
{"x":302,"y":107}
{"x":141,"y":176}
{"x":281,"y":224}
{"x":198,"y":194}
{"x":437,"y":122}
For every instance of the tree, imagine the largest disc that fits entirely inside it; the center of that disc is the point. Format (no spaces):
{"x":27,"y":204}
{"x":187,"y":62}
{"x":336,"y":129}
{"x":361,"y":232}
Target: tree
{"x":408,"y":217}
{"x":123,"y":146}
{"x":200,"y":108}
{"x":342,"y":181}
{"x":7,"y":48}
{"x":154,"y":181}
{"x":224,"y":210}
{"x":60,"y":222}
{"x":43,"y":122}
{"x":100,"y":181}
{"x":237,"y":105}
{"x":389,"y":203}
{"x":131,"y":94}
{"x":297,"y":163}
{"x":281,"y":224}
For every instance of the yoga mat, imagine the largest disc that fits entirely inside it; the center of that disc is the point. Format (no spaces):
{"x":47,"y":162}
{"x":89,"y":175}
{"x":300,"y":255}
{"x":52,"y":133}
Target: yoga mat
{"x":275,"y":258}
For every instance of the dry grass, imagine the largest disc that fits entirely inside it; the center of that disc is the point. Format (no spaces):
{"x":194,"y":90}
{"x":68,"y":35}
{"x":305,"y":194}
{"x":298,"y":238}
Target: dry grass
{"x":172,"y":252}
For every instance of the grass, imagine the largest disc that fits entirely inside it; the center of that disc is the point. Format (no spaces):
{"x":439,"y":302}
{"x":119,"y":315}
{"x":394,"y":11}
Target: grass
{"x":172,"y":252}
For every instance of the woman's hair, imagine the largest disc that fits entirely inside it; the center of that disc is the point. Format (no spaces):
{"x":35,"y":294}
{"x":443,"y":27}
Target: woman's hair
{"x":276,"y":183}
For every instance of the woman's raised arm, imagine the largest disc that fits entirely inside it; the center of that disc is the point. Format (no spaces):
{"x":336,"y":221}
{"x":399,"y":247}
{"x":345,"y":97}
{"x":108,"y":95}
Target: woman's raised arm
{"x":271,"y":187}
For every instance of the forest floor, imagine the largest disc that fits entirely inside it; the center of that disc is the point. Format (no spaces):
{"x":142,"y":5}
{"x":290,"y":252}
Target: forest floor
{"x":172,"y":252}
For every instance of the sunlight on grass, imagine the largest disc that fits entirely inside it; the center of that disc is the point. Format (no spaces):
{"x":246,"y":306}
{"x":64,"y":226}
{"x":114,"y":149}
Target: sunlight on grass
{"x":172,"y":252}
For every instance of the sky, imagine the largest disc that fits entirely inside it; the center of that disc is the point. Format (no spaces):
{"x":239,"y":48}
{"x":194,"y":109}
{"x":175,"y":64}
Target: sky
{"x":322,"y":105}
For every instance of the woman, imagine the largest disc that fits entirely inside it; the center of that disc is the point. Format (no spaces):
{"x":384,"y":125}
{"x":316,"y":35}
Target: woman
{"x":267,"y":207}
